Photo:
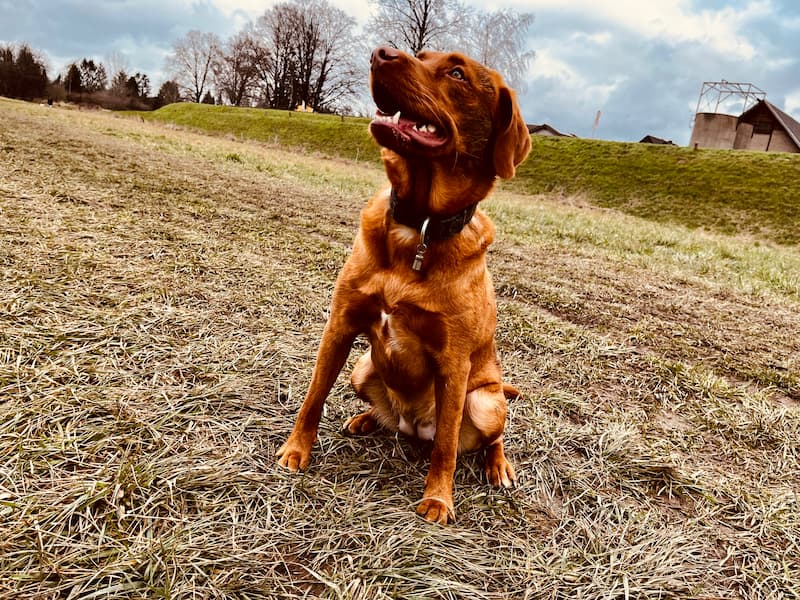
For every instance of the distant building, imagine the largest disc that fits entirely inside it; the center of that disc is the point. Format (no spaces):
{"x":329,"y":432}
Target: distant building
{"x":651,"y":139}
{"x":762,"y":127}
{"x":547,"y":131}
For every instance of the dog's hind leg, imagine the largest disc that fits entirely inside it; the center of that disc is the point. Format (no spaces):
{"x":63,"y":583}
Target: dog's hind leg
{"x":369,"y":386}
{"x":485,"y":416}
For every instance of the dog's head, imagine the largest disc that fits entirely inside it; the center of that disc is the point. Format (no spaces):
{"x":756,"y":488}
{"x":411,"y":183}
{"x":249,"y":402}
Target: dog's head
{"x":446,"y":109}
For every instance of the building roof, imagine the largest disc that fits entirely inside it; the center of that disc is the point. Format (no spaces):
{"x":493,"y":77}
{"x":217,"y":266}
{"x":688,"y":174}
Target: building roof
{"x":651,"y":139}
{"x":791,"y":126}
{"x":545,"y":129}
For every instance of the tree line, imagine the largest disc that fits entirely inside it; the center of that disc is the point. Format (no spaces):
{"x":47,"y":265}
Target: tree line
{"x":310,"y":53}
{"x":23,"y":74}
{"x":298,"y":53}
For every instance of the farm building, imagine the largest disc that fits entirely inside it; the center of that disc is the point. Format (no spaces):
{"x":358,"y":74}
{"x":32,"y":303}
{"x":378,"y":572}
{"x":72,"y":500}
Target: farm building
{"x":547,"y":131}
{"x":651,"y":139}
{"x":762,"y":127}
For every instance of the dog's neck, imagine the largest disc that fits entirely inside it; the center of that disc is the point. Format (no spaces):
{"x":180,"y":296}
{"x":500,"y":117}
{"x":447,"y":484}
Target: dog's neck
{"x":438,"y":227}
{"x":415,"y":200}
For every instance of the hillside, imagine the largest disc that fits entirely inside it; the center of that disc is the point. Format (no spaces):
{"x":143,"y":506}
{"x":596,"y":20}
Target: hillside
{"x":163,"y":296}
{"x":748,"y":193}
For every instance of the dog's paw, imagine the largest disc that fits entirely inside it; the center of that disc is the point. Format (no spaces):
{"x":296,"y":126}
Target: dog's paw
{"x":499,"y":471}
{"x":294,"y":456}
{"x":436,"y":510}
{"x":360,"y":424}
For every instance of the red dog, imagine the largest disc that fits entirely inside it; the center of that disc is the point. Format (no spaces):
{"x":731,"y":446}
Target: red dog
{"x":416,"y":282}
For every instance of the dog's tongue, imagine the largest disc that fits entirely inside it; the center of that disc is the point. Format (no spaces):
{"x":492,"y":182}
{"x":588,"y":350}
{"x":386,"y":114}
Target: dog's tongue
{"x":408,"y":129}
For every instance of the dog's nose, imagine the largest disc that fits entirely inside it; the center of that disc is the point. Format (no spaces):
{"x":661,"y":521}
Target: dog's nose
{"x":383,"y":55}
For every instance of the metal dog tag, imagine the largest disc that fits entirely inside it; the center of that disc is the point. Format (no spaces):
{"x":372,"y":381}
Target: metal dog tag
{"x":422,"y":247}
{"x":417,"y":264}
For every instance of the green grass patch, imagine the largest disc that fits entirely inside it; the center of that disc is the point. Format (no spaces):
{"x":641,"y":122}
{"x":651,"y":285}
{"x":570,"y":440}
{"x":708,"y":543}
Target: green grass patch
{"x":342,"y":137}
{"x":732,"y":192}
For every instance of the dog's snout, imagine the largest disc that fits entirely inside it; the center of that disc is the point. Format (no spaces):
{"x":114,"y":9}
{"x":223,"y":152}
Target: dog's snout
{"x":383,"y":55}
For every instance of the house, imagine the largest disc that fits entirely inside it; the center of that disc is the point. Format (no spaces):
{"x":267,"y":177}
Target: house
{"x":547,"y":131}
{"x":762,"y":127}
{"x":651,"y":139}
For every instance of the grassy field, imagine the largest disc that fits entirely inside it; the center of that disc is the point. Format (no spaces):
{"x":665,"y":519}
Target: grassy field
{"x":163,"y":294}
{"x":720,"y":191}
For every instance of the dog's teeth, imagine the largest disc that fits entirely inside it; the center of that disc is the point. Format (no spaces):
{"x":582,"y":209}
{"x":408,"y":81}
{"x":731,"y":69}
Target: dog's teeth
{"x":425,"y":128}
{"x":396,"y":118}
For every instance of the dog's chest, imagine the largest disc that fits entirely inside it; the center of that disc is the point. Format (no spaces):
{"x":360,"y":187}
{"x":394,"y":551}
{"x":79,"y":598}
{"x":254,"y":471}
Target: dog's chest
{"x":404,"y":329}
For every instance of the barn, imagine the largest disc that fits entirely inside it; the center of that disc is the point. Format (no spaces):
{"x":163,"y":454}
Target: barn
{"x":762,"y":127}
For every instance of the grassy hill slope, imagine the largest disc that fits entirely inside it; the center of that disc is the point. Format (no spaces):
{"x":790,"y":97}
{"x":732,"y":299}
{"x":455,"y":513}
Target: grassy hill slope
{"x":748,"y":193}
{"x":309,"y":132}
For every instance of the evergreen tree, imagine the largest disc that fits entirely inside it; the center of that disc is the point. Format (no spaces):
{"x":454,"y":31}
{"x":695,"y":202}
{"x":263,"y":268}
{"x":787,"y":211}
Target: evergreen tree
{"x":93,"y":76}
{"x":7,"y":69}
{"x":73,"y":82}
{"x":31,"y":75}
{"x":119,"y":85}
{"x":168,"y":93}
{"x":22,"y":74}
{"x":131,"y":87}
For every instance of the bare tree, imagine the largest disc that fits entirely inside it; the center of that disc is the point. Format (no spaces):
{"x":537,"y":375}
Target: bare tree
{"x":115,"y":62}
{"x":306,"y":55}
{"x":495,"y":38}
{"x":276,"y":29}
{"x":498,"y":40}
{"x":414,"y":25}
{"x":338,"y":60}
{"x":236,"y":67}
{"x":190,"y":65}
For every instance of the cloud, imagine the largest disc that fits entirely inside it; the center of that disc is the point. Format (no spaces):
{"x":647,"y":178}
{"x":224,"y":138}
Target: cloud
{"x":641,"y":63}
{"x":670,"y":21}
{"x":143,"y":30}
{"x":792,"y":104}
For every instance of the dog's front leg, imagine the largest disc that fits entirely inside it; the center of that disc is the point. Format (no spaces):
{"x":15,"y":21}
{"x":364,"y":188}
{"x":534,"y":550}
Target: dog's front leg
{"x":451,"y":392}
{"x":333,"y":351}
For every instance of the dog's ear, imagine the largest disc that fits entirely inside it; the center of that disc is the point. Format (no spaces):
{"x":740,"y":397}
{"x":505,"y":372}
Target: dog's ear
{"x":512,"y":142}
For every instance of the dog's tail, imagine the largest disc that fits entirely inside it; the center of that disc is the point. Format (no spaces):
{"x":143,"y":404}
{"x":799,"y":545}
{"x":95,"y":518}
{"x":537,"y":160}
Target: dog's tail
{"x":511,"y":392}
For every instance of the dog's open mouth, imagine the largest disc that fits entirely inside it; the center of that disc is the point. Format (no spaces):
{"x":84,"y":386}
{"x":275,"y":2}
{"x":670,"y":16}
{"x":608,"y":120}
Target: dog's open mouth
{"x":415,"y":129}
{"x":399,"y":129}
{"x":407,"y":130}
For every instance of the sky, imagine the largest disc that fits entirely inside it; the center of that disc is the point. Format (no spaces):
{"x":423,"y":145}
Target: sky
{"x":640,"y":63}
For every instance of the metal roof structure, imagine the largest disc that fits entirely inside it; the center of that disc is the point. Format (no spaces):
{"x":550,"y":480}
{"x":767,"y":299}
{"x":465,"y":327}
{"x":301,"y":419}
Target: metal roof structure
{"x":717,"y":93}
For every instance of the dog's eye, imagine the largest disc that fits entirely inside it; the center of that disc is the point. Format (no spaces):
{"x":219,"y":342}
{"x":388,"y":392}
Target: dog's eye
{"x":457,"y":73}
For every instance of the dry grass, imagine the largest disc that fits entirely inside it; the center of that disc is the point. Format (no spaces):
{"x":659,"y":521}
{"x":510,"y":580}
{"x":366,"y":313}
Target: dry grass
{"x":163,"y":294}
